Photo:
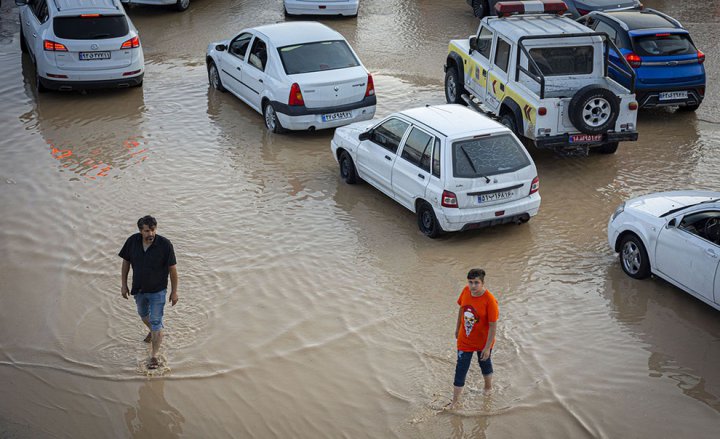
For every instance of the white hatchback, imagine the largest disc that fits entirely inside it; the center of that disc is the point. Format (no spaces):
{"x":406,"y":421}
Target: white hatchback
{"x":453,"y":167}
{"x":78,"y":45}
{"x":673,"y":235}
{"x":322,"y":7}
{"x":298,"y":75}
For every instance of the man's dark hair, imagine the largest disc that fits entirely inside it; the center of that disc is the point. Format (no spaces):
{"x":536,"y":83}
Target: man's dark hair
{"x":476,"y":273}
{"x":147,"y":220}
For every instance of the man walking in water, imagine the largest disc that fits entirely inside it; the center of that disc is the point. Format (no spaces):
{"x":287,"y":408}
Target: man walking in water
{"x":152,"y":258}
{"x":474,"y":331}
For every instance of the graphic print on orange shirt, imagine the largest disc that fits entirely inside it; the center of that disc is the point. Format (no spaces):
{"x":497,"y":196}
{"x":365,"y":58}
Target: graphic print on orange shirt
{"x":469,"y":318}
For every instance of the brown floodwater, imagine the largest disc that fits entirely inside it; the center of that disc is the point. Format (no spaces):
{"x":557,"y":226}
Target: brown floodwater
{"x":310,"y":308}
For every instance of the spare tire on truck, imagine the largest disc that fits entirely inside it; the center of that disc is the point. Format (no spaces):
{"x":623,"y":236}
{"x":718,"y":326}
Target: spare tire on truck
{"x":594,"y":110}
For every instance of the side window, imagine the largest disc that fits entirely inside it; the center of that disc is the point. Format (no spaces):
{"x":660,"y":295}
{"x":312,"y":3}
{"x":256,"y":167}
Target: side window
{"x":417,"y":149}
{"x":706,"y":225}
{"x":238,"y":46}
{"x":484,"y":42}
{"x":258,"y":54}
{"x":389,"y":134}
{"x":39,"y":8}
{"x":604,"y":27}
{"x":502,"y":54}
{"x":436,"y":159}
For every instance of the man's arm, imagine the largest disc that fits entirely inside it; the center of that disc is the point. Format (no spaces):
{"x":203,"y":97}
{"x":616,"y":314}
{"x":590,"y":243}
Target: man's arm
{"x":124,"y":277}
{"x":485,"y":354}
{"x":459,"y":320}
{"x":173,"y":284}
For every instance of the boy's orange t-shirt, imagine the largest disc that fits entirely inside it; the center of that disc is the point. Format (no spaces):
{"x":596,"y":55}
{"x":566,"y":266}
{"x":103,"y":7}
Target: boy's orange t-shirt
{"x":477,"y":313}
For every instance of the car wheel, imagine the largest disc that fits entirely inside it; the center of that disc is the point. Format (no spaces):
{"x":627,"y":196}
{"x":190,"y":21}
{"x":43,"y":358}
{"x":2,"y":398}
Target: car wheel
{"x":271,"y":120}
{"x":634,"y":257}
{"x":594,"y":110}
{"x":509,"y":121}
{"x":23,"y":43}
{"x":182,"y":5}
{"x":427,"y":221}
{"x":214,"y":77}
{"x":453,"y":89}
{"x":38,"y":83}
{"x":347,"y":168}
{"x":608,"y":148}
{"x":689,"y":107}
{"x":480,"y":8}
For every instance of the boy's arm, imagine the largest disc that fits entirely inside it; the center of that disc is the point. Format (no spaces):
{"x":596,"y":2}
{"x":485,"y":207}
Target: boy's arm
{"x":459,"y":320}
{"x":485,"y":354}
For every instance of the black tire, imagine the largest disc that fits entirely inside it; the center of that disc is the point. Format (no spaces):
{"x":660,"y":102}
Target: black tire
{"x":594,"y":110}
{"x":182,"y":5}
{"x":689,"y":107}
{"x":214,"y":77}
{"x":480,"y":8}
{"x":347,"y":168}
{"x":608,"y":148}
{"x":23,"y":43}
{"x":272,"y":123}
{"x":427,"y":221}
{"x":453,"y":88}
{"x":38,"y":83}
{"x":508,"y":120}
{"x":633,"y":257}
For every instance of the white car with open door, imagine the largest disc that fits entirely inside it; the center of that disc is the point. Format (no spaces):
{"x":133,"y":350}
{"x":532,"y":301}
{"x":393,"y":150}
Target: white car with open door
{"x":673,"y":235}
{"x":298,"y":75}
{"x":347,"y":8}
{"x":453,"y":167}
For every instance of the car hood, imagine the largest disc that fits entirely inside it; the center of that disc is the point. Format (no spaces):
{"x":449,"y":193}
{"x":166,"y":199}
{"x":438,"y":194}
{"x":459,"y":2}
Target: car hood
{"x":663,"y":202}
{"x":354,"y":128}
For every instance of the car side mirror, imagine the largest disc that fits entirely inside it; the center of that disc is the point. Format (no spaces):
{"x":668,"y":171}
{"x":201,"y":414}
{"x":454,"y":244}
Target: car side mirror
{"x":364,"y":135}
{"x":473,"y":44}
{"x":21,"y":2}
{"x":221,"y":47}
{"x":671,"y":224}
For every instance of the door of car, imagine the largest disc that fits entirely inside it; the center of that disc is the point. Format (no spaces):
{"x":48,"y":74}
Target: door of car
{"x":498,"y":74}
{"x":36,"y":14}
{"x":476,"y":73}
{"x":621,"y":41}
{"x":253,"y":75}
{"x":233,"y":62}
{"x":377,"y":155}
{"x":684,"y":255}
{"x":411,"y":171}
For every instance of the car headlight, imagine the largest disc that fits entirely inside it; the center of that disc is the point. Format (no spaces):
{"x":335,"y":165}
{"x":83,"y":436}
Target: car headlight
{"x":620,"y":209}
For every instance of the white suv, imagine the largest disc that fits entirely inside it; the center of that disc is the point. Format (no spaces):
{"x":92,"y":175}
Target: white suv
{"x":456,"y":169}
{"x":76,"y":45}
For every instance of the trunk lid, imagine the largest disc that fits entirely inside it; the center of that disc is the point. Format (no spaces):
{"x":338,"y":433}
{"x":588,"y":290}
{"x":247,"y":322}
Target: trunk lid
{"x":332,"y":88}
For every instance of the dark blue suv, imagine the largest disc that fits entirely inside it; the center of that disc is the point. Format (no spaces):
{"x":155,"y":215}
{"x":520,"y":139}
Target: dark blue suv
{"x":668,"y":67}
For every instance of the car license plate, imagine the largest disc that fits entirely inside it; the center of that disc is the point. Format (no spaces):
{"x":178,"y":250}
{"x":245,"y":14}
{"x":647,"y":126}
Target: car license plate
{"x":337,"y":116}
{"x":673,"y":95}
{"x":495,"y":196}
{"x":586,"y":138}
{"x":89,"y":56}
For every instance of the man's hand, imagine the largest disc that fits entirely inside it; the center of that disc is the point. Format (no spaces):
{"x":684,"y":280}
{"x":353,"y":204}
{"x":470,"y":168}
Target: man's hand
{"x":124,"y":291}
{"x":485,"y":354}
{"x":173,"y":298}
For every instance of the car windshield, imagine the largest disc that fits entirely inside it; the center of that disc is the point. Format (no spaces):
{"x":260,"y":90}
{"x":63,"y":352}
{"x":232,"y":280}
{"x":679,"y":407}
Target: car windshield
{"x":316,"y":57}
{"x":488,"y":155}
{"x":556,"y":61}
{"x":91,"y":28}
{"x":663,"y":45}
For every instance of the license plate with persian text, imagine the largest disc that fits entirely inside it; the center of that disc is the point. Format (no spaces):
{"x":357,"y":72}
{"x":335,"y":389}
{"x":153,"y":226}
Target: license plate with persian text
{"x":337,"y":116}
{"x":495,"y":196}
{"x":89,"y":56}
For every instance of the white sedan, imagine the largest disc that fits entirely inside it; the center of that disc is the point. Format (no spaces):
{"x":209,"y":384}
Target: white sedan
{"x":298,"y":75}
{"x":322,"y":7}
{"x":673,"y":235}
{"x":453,"y":167}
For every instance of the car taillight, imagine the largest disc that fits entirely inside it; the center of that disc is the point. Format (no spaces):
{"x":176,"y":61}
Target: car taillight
{"x":583,"y":11}
{"x":634,"y":60}
{"x":542,"y":111}
{"x":632,"y":106}
{"x":701,"y":90}
{"x":296,"y":97}
{"x":370,"y":90}
{"x":132,"y":43}
{"x":701,"y":57}
{"x":534,"y":186}
{"x":52,"y":46}
{"x":449,"y":199}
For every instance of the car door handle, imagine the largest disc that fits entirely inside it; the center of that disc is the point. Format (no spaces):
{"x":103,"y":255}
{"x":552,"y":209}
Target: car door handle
{"x":484,"y":73}
{"x":502,"y":87}
{"x":387,"y":157}
{"x":421,"y":176}
{"x":238,"y":69}
{"x":711,"y":253}
{"x":260,"y":81}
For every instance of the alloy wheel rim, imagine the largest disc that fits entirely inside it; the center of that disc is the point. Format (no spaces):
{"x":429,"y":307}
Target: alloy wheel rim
{"x":185,"y":3}
{"x":214,"y":76}
{"x":631,"y":257}
{"x":596,"y":112}
{"x":344,"y":171}
{"x":270,"y":117}
{"x":451,"y":87}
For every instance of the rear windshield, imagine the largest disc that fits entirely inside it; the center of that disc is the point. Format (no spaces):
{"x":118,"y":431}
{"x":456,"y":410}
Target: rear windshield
{"x":91,"y":28}
{"x":488,"y":156}
{"x":316,"y":57}
{"x":556,"y":61}
{"x":663,"y":45}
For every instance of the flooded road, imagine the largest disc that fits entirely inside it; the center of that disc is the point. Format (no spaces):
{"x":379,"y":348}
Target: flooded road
{"x":310,"y":308}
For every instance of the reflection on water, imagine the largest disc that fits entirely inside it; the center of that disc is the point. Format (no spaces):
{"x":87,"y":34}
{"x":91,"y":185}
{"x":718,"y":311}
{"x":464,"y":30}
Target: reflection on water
{"x":153,"y":416}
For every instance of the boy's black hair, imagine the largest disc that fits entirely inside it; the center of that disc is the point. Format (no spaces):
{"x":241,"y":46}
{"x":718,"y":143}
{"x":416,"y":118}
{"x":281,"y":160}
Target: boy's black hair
{"x":147,"y":220}
{"x":476,"y":273}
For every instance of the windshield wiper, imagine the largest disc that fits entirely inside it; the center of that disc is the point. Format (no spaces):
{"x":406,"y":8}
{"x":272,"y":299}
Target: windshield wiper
{"x":677,"y":209}
{"x":467,"y":156}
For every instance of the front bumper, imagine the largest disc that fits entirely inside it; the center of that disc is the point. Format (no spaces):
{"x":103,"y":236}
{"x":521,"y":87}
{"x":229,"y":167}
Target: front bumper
{"x":65,"y":85}
{"x":650,"y":98}
{"x":563,"y":140}
{"x":453,"y":220}
{"x":303,"y":118}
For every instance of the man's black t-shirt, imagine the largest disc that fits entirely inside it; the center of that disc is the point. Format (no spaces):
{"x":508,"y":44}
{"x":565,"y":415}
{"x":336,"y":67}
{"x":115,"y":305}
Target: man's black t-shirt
{"x":150,"y":267}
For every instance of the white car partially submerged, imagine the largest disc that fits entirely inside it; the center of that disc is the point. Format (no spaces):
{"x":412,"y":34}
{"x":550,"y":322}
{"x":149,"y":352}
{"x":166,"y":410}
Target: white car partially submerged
{"x":453,"y":167}
{"x":299,"y":75}
{"x":673,"y":235}
{"x":322,"y":7}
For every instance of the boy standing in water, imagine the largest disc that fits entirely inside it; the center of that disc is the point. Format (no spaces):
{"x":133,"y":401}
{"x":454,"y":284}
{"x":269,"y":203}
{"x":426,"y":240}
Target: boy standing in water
{"x":474,"y":331}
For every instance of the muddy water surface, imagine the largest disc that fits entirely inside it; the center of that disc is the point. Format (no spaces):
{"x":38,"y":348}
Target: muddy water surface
{"x":309,"y":308}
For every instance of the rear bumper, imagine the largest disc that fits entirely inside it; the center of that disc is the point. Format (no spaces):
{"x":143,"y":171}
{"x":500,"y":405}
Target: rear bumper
{"x":330,"y":8}
{"x":564,"y":140}
{"x":650,"y":97}
{"x":64,"y":85}
{"x":149,"y":2}
{"x":453,"y":220}
{"x":302,"y":118}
